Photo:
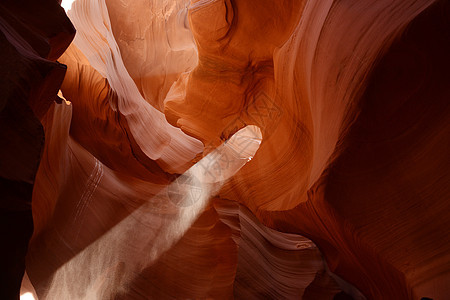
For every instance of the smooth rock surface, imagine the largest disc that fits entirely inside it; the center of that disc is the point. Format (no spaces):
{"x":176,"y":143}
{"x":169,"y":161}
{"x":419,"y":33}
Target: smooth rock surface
{"x":291,"y":149}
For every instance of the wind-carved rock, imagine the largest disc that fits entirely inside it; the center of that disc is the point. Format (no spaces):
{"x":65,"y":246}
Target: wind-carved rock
{"x":233,"y":85}
{"x":350,"y":102}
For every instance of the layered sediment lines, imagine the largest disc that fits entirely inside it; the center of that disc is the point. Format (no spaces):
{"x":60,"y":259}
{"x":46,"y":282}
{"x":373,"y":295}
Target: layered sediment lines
{"x":228,"y":148}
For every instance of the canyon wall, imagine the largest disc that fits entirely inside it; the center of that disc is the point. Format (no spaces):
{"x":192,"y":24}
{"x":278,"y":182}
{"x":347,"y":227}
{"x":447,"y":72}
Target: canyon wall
{"x":226,"y":149}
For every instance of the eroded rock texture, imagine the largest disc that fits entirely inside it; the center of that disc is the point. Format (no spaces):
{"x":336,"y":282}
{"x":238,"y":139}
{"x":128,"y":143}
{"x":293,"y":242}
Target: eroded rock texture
{"x":30,"y":80}
{"x":229,"y":148}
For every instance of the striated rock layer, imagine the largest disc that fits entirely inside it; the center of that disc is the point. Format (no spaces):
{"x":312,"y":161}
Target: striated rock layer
{"x":379,"y":213}
{"x":227,"y":149}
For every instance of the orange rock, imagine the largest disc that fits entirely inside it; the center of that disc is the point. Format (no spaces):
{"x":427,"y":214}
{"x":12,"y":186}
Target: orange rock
{"x":149,"y":184}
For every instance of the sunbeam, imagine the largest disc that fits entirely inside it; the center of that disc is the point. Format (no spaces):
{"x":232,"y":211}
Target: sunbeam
{"x":105,"y":267}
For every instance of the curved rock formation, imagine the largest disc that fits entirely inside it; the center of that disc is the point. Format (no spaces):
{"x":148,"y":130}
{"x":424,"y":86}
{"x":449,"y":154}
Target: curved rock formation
{"x":227,"y":149}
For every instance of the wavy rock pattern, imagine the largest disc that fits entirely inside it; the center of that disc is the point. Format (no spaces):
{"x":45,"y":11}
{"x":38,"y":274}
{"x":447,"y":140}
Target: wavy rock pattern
{"x":226,"y":149}
{"x":140,"y":264}
{"x":383,"y":202}
{"x":158,"y":140}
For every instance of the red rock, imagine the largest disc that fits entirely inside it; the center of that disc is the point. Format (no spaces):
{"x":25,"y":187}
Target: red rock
{"x":150,"y":187}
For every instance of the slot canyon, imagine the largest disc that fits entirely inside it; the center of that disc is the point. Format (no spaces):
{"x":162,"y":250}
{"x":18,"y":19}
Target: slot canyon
{"x":225,"y":149}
